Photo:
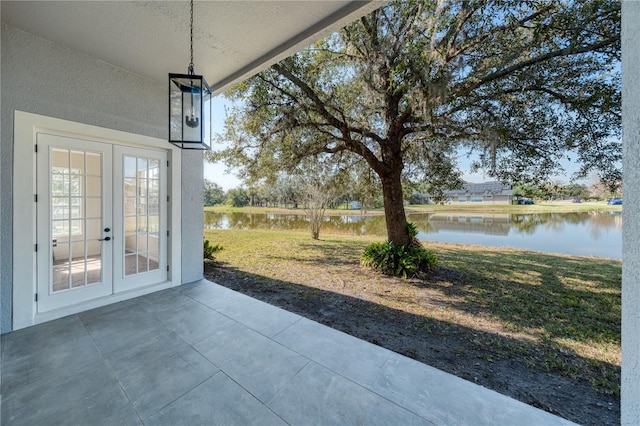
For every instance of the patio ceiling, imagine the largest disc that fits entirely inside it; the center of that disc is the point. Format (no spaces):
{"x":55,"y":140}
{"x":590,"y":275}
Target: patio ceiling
{"x":232,"y":39}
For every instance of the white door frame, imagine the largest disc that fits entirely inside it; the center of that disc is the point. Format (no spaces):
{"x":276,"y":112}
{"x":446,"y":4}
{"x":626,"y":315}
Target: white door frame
{"x":26,"y":127}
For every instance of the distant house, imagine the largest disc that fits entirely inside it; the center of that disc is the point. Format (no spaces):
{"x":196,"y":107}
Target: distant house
{"x":487,"y":193}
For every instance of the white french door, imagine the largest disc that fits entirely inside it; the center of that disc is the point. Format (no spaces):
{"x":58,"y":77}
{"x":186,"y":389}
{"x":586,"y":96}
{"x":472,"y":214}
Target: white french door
{"x":139,"y":205}
{"x":101,"y":220}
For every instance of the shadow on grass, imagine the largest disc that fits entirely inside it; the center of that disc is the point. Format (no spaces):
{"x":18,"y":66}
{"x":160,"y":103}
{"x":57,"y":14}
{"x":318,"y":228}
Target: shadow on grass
{"x":563,"y":298}
{"x":335,"y":252}
{"x":518,"y":368}
{"x":553,"y":297}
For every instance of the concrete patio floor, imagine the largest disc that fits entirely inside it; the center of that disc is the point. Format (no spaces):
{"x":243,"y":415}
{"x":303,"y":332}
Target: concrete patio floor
{"x":203,"y":354}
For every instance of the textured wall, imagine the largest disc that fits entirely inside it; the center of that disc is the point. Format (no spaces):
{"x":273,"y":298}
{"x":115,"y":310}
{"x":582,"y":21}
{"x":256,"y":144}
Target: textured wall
{"x":2,"y":261}
{"x":44,"y":78}
{"x":192,"y":222}
{"x":631,"y":214}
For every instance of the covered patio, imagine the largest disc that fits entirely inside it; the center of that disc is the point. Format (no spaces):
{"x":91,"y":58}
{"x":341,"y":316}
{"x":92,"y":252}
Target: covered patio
{"x":204,"y":354}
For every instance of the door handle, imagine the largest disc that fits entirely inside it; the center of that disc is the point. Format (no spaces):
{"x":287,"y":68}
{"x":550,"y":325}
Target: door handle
{"x":105,"y":239}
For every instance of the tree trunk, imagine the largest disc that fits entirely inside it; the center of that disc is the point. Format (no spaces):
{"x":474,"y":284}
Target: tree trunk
{"x":394,"y":209}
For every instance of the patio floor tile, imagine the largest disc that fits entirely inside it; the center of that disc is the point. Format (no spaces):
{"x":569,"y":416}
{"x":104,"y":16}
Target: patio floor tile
{"x":132,"y":304}
{"x":260,"y":316}
{"x":203,"y":354}
{"x":355,"y":359}
{"x":86,"y":395}
{"x":219,"y":400}
{"x":33,"y":354}
{"x":446,"y":399}
{"x":122,"y":328}
{"x":30,"y":340}
{"x":255,"y":362}
{"x":158,"y":370}
{"x":189,"y":319}
{"x":319,"y":396}
{"x":214,"y":296}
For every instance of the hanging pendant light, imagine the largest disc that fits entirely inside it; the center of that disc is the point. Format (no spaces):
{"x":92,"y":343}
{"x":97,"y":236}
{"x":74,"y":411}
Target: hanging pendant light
{"x":190,"y":112}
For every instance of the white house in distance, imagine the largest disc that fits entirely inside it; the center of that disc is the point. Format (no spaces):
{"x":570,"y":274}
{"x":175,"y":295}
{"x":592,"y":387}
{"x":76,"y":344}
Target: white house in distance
{"x":84,"y":104}
{"x":473,"y":193}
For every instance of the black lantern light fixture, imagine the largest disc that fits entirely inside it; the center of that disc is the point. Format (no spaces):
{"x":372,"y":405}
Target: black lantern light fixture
{"x":190,"y":115}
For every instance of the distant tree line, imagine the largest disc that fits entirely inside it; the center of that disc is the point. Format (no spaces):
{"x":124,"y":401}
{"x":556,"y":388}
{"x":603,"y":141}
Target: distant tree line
{"x":295,"y":192}
{"x":596,"y":190}
{"x":298,"y":191}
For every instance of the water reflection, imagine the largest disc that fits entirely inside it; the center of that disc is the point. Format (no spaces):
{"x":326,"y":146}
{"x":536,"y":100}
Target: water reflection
{"x":583,"y":233}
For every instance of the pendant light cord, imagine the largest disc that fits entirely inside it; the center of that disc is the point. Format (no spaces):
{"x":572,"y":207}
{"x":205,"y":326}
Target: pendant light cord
{"x":191,"y":67}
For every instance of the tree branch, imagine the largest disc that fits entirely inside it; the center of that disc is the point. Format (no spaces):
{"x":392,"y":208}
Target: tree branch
{"x":567,"y":51}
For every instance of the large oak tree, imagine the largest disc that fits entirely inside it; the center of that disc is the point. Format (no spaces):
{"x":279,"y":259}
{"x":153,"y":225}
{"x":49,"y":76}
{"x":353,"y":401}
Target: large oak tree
{"x":518,"y":84}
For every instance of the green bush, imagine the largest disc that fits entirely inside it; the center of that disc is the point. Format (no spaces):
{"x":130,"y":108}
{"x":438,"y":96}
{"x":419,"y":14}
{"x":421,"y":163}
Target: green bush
{"x":405,"y":261}
{"x":208,"y":250}
{"x":412,"y":229}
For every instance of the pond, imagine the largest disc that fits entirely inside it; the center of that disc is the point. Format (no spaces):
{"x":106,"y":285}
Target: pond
{"x":581,"y":234}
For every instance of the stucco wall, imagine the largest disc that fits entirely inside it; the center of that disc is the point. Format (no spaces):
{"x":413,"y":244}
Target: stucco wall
{"x":44,"y":78}
{"x":631,"y":214}
{"x":192,"y":223}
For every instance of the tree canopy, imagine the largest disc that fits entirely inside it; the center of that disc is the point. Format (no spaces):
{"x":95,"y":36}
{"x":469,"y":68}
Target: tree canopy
{"x":519,"y":85}
{"x":213,"y":193}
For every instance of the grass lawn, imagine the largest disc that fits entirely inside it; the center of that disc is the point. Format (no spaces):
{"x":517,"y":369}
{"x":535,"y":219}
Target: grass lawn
{"x":543,"y":328}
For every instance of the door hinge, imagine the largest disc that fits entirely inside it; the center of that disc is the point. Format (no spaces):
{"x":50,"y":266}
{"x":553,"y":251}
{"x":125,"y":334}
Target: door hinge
{"x":35,"y":198}
{"x":35,"y":247}
{"x":167,"y":233}
{"x":167,"y":268}
{"x":167,"y":163}
{"x":35,"y":147}
{"x":36,"y":297}
{"x":168,"y":199}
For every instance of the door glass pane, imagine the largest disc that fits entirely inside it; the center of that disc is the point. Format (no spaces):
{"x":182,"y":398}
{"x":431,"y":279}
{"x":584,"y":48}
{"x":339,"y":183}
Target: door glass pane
{"x":141,"y":193}
{"x":130,"y":264}
{"x":142,"y":187}
{"x":94,"y":207}
{"x":129,"y":206}
{"x":154,"y":224}
{"x":60,"y":277}
{"x":77,"y":162}
{"x":153,"y":244}
{"x":60,"y":158}
{"x":154,"y":169}
{"x":94,"y":230}
{"x":94,"y":186}
{"x":94,"y":164}
{"x":142,"y":206}
{"x":129,"y":187}
{"x":154,"y":258}
{"x":76,"y":218}
{"x":78,"y":269}
{"x":129,"y":167}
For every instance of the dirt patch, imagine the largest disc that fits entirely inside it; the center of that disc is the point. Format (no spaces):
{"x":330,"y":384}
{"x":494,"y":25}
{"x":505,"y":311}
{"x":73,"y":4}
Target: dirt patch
{"x":349,"y":302}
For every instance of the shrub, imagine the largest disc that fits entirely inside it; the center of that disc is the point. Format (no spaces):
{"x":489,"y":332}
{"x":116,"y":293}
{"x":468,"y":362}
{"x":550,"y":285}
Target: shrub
{"x":412,"y":229}
{"x":405,"y":261}
{"x":208,"y":250}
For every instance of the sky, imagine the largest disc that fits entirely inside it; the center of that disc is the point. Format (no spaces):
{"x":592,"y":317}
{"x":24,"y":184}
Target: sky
{"x":217,"y":172}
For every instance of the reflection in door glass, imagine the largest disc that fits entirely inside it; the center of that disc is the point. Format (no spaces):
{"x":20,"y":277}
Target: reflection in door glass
{"x":141,"y":215}
{"x":76,"y":218}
